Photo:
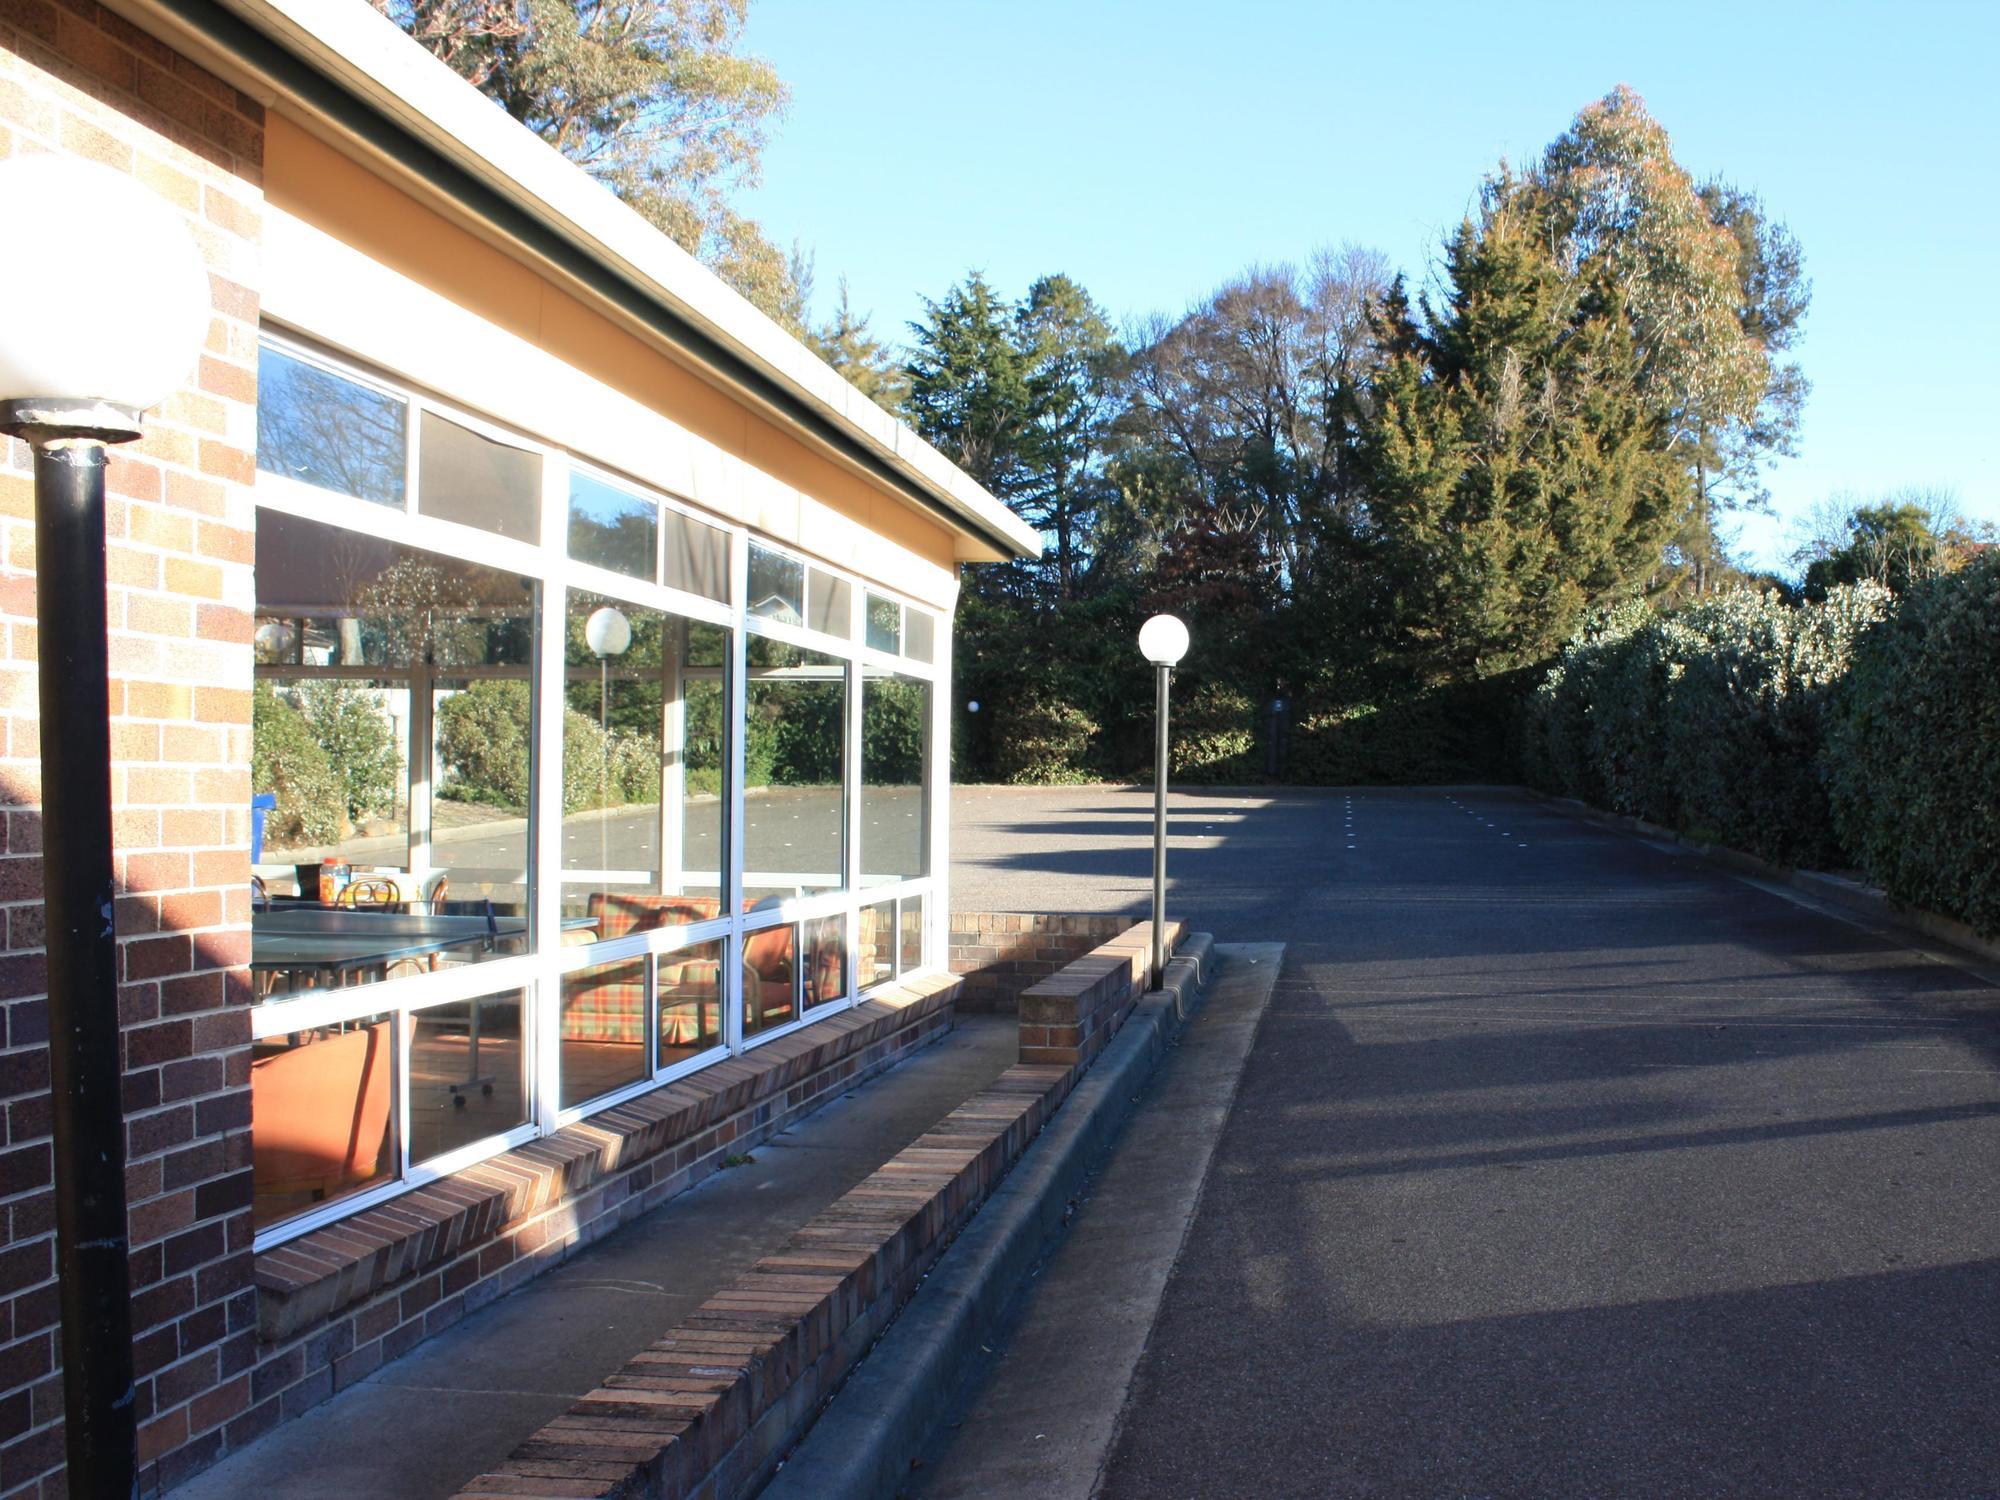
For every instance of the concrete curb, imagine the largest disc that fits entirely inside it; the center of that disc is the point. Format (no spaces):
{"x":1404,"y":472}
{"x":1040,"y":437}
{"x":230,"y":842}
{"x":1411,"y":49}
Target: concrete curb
{"x":861,"y":1446}
{"x":1833,"y":890}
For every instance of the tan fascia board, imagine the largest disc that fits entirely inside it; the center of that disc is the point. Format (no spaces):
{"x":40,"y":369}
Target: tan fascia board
{"x":352,"y":76}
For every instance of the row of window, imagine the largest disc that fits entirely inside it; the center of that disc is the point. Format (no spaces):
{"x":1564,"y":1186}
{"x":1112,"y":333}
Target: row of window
{"x":528,"y":837}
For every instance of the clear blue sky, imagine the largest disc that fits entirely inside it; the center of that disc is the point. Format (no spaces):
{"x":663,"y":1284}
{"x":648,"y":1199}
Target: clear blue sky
{"x":1150,"y":151}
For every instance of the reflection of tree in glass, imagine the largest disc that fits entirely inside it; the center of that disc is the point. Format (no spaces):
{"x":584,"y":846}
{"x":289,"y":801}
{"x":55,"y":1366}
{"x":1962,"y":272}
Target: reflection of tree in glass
{"x":895,"y":724}
{"x":795,"y":729}
{"x":317,"y":428}
{"x":420,"y":613}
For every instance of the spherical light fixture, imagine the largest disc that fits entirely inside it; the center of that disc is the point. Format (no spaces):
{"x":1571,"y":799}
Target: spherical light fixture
{"x":1163,"y":640}
{"x":107,"y":297}
{"x":607,"y":632}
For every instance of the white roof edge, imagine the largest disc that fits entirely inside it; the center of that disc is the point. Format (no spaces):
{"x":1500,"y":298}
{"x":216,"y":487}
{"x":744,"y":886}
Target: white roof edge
{"x":370,"y":56}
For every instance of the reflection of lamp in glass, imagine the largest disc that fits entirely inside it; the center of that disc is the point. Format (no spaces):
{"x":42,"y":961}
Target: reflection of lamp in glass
{"x":108,"y":309}
{"x":608,"y":633}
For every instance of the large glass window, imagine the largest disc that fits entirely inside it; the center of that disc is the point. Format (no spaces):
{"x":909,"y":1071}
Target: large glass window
{"x":794,"y":815}
{"x":445,"y":718}
{"x":895,"y":793}
{"x":395,"y":841}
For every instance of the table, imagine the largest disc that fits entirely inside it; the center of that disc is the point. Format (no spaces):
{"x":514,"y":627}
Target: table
{"x":336,"y":942}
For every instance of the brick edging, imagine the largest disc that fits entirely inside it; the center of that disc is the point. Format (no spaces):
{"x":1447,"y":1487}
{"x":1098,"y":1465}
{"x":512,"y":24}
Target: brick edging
{"x":306,"y":1281}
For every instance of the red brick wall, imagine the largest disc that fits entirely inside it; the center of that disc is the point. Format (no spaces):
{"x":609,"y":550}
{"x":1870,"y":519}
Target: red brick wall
{"x":77,"y":80}
{"x":1000,"y":953}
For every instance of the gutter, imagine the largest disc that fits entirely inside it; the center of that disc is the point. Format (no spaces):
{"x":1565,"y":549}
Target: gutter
{"x":354,"y":76}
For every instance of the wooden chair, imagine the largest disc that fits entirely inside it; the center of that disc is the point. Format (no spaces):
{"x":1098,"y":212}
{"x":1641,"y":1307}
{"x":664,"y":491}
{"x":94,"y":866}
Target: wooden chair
{"x":321,"y":1117}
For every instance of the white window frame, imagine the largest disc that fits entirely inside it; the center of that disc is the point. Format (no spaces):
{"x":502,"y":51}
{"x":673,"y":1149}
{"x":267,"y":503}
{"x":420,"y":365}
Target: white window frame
{"x":538,"y":974}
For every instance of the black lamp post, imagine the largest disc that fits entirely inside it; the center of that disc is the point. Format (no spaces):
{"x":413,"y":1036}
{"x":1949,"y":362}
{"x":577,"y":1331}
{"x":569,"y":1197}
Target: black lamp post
{"x":1163,"y":641}
{"x":107,"y":305}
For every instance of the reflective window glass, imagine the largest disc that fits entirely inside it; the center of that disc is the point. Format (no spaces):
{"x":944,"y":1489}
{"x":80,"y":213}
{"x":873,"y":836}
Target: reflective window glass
{"x":825,"y":979}
{"x":697,"y":556}
{"x":895,"y":796}
{"x":875,"y":958}
{"x":777,"y":586}
{"x":770,"y":978}
{"x":469,"y":478}
{"x":919,"y":635}
{"x":323,"y":1115}
{"x":604,"y":1032}
{"x":793,"y":812}
{"x":691,"y":999}
{"x":885,"y":625}
{"x":327,"y":430}
{"x":611,"y":528}
{"x":912,"y":956}
{"x":828,"y":604}
{"x":467,"y":1073}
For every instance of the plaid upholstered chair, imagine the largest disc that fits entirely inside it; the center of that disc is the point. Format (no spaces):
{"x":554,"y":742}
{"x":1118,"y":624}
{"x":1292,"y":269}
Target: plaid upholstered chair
{"x":611,"y":1006}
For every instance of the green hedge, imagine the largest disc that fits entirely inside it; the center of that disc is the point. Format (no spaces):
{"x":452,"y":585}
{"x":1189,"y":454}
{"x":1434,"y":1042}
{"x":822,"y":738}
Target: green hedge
{"x":1710,"y":720}
{"x":1912,"y":756}
{"x":1461,"y":732}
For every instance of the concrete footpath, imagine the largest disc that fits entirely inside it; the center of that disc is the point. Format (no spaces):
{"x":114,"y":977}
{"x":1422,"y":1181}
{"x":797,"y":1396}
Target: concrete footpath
{"x":1038,"y":1408}
{"x":459,"y":1403}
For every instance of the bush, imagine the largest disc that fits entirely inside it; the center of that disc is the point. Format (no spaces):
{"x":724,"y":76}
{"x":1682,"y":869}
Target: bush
{"x":359,"y":742}
{"x":1214,"y":738}
{"x":1047,"y":742}
{"x":1460,"y":732}
{"x":1912,"y":753}
{"x":1710,"y":721}
{"x":483,"y":740}
{"x":287,"y":761}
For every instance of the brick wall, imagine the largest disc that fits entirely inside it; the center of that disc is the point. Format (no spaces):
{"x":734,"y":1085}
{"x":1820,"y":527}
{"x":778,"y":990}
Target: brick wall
{"x":1068,"y":1017}
{"x":1000,"y":953}
{"x":76,"y":79}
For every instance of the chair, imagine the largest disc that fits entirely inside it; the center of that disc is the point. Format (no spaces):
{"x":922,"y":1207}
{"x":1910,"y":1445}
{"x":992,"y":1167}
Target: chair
{"x":370,"y":890}
{"x":321,"y":1116}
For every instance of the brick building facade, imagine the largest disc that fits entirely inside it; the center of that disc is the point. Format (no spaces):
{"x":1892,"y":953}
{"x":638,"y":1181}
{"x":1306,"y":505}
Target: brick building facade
{"x":242,"y":1317}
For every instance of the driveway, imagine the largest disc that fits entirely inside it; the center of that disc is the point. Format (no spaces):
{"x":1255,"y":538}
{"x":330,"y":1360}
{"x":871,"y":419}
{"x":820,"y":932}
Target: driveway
{"x":1563,"y":1164}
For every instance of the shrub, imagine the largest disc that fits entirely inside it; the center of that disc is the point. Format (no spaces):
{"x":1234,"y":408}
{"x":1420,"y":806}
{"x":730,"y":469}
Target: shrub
{"x":287,"y":761}
{"x":483,"y":740}
{"x":359,"y":742}
{"x":1912,"y":753}
{"x":1460,"y":732}
{"x":1046,"y":742}
{"x":1214,"y":737}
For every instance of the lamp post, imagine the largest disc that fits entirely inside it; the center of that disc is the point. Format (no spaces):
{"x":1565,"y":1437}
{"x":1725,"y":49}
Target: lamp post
{"x":1163,"y":640}
{"x":107,"y":306}
{"x":608,"y":633}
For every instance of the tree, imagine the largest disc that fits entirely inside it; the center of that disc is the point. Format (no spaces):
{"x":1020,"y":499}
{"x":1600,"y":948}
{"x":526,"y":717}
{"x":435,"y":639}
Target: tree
{"x":969,"y":385}
{"x":1713,"y":289}
{"x":1516,"y":473}
{"x":1072,"y":363}
{"x":858,"y":357}
{"x":650,"y":97}
{"x":1897,"y":541}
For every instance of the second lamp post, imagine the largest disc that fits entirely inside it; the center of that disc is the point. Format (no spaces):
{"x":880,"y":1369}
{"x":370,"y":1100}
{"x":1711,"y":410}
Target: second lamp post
{"x":1163,"y":640}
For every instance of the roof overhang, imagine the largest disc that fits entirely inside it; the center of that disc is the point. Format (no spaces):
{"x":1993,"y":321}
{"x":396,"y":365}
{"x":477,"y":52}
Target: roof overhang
{"x":351,"y":76}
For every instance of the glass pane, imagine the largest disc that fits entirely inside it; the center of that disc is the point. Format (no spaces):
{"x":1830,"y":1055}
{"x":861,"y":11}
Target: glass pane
{"x":777,"y":586}
{"x":707,"y":645}
{"x":885,"y":625}
{"x":913,"y":934}
{"x":612,"y":529}
{"x":697,"y":556}
{"x":691,"y":999}
{"x":770,"y":978}
{"x":642,"y":778}
{"x":466,"y":1078}
{"x":827,"y":604}
{"x":793,"y":751}
{"x":322,"y":1115}
{"x":604,"y":1030}
{"x":359,"y":885}
{"x":919,"y":635}
{"x":895,"y":800}
{"x":485,"y":758}
{"x":826,"y":960}
{"x":470,"y":479}
{"x":876,"y":961}
{"x":324,"y":429}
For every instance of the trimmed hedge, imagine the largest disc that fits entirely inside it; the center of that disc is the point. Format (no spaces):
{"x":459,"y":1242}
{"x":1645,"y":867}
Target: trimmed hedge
{"x":1912,"y":756}
{"x":1710,"y":721}
{"x":1461,"y":732}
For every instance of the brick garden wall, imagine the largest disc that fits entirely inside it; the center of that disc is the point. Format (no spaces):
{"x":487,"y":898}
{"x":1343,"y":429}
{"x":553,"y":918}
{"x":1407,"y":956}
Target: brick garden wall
{"x":78,"y":80}
{"x":1000,"y":953}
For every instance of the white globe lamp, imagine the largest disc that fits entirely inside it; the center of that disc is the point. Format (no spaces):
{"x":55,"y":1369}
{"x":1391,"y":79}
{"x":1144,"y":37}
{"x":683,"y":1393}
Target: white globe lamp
{"x":607,"y":632}
{"x":1163,"y":640}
